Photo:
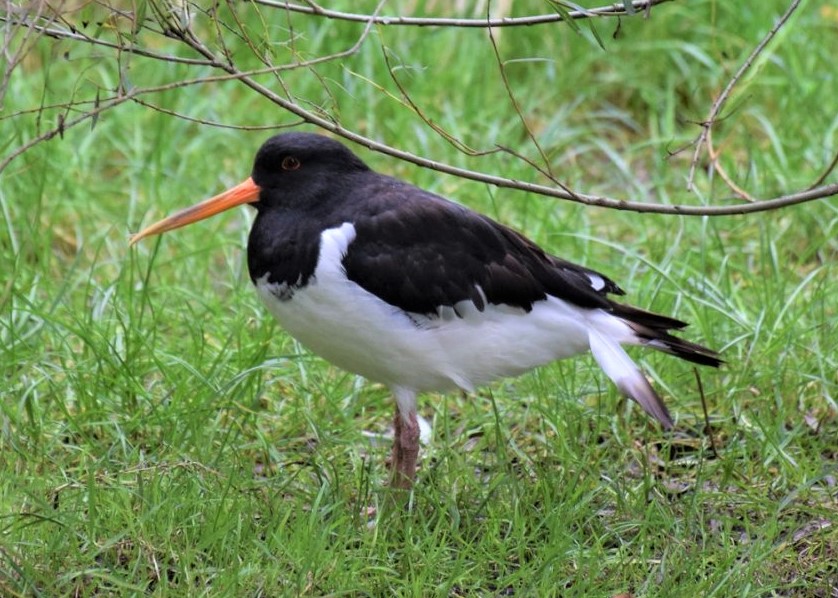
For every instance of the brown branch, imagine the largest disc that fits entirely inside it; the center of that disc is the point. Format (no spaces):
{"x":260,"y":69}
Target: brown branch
{"x":720,"y":101}
{"x":617,"y":9}
{"x":498,"y":181}
{"x":591,"y":200}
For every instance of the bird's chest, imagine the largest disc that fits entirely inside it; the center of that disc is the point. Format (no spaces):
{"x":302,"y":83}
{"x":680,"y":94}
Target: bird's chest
{"x":324,"y":310}
{"x":301,"y":276}
{"x":282,"y":255}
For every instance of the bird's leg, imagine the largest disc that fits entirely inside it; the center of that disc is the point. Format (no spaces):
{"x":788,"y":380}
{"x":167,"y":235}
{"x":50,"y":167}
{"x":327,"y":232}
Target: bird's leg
{"x":405,"y":450}
{"x":405,"y":441}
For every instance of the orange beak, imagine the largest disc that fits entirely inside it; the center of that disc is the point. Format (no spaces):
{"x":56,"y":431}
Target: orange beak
{"x":245,"y":192}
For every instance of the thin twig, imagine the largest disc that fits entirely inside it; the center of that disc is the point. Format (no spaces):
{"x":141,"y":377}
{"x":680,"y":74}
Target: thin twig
{"x":826,"y":172}
{"x":544,"y":170}
{"x":64,"y":125}
{"x":208,"y":123}
{"x":460,"y":145}
{"x":716,"y":108}
{"x":714,"y":159}
{"x":708,"y":428}
{"x":56,"y":33}
{"x":617,"y":9}
{"x":13,"y":58}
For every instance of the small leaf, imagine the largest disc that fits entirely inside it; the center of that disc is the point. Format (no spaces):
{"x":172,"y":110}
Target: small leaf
{"x":565,"y":15}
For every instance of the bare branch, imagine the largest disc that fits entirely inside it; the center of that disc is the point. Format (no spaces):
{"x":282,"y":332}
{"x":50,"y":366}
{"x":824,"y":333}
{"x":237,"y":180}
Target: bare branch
{"x":618,"y":9}
{"x":58,"y":33}
{"x":716,"y":108}
{"x":338,"y":129}
{"x":180,"y":30}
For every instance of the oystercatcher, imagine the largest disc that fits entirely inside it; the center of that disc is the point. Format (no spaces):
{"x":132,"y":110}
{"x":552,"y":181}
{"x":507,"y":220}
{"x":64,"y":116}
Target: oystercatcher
{"x":409,"y":289}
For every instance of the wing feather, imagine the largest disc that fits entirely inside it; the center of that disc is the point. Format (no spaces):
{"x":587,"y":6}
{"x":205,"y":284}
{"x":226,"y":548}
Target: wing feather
{"x":421,"y":252}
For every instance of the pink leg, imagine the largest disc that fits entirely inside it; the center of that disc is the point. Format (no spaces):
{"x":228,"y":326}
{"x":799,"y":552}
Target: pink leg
{"x":405,"y":450}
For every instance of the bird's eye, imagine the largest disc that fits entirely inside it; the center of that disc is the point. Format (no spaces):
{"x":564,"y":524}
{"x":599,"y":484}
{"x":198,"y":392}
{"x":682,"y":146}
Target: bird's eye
{"x":290,"y":163}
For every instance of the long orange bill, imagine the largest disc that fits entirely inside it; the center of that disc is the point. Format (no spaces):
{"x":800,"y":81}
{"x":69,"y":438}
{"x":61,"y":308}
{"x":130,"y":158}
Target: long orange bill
{"x":245,"y":192}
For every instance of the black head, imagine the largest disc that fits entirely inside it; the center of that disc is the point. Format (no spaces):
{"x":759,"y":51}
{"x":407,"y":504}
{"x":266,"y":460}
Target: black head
{"x":296,"y":171}
{"x":298,"y":167}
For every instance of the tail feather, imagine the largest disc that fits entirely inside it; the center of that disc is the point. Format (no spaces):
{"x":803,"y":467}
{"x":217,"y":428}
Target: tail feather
{"x":645,"y":318}
{"x":678,"y":347}
{"x":652,"y":330}
{"x":618,"y":366}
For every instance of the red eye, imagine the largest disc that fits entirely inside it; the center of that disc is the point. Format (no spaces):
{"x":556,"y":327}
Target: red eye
{"x":290,"y":163}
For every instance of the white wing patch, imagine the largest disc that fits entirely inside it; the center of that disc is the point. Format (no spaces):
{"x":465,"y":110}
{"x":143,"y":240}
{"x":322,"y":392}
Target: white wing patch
{"x":597,"y":281}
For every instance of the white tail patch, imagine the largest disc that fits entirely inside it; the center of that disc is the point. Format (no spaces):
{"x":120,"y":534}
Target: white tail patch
{"x":618,"y":366}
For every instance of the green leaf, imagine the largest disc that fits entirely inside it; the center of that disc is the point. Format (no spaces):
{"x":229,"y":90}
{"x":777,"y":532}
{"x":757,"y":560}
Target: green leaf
{"x":565,"y":14}
{"x":596,"y":34}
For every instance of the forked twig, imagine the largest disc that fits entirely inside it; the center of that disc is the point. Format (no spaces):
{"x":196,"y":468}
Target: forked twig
{"x":545,"y":169}
{"x":720,"y":101}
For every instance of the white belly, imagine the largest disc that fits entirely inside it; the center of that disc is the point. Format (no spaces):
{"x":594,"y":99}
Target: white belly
{"x":355,"y":330}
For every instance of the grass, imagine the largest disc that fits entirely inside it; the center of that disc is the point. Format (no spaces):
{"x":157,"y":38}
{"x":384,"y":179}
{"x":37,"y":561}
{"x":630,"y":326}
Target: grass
{"x":159,"y":434}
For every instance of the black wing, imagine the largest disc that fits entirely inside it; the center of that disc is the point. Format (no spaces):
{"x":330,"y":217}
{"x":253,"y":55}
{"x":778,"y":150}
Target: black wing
{"x":418,"y":252}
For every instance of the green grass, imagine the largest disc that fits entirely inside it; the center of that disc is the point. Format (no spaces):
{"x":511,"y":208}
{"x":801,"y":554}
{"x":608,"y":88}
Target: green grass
{"x":160,"y":434}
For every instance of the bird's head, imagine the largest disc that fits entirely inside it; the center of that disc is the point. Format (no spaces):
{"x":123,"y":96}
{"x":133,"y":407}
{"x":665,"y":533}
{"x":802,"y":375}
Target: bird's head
{"x":290,"y":168}
{"x":295,"y":165}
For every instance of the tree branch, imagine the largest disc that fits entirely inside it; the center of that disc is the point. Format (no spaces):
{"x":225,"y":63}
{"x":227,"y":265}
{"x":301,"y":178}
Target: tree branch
{"x":618,"y":9}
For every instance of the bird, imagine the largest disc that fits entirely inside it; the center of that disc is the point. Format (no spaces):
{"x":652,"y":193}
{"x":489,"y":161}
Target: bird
{"x":414,"y":291}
